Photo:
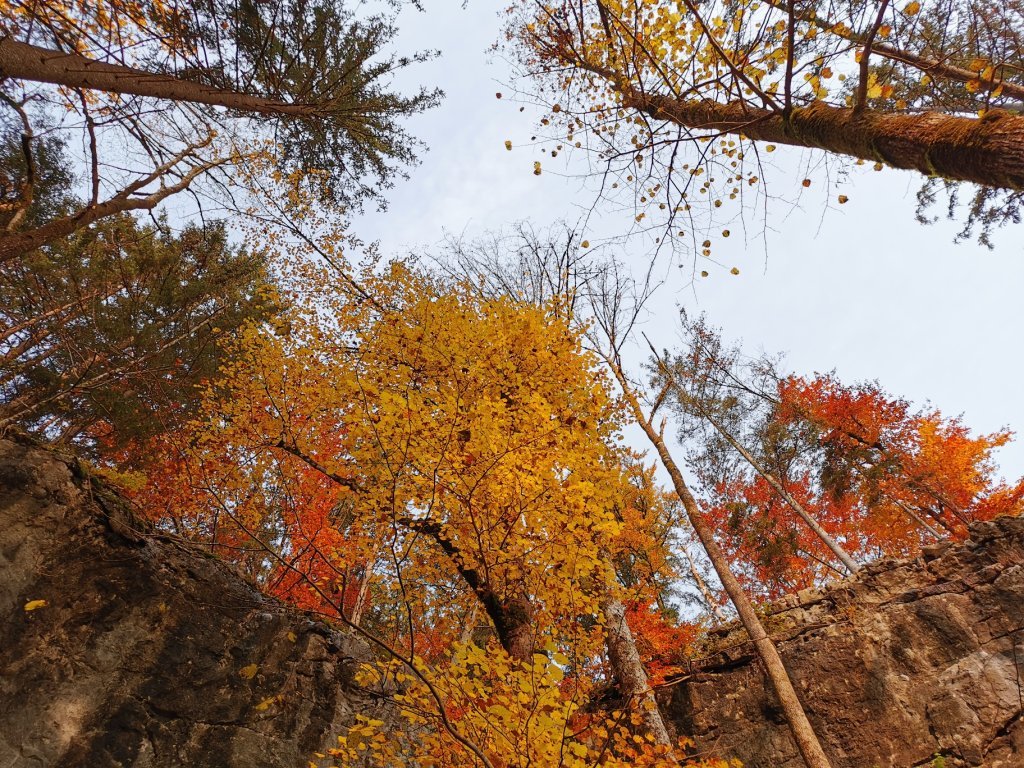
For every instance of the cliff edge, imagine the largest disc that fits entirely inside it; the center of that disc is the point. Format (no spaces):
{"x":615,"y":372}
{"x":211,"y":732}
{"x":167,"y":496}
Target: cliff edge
{"x":147,"y":652}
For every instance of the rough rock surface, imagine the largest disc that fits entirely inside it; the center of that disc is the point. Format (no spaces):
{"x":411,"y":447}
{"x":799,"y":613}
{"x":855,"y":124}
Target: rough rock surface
{"x":908,"y":662}
{"x":147,"y":653}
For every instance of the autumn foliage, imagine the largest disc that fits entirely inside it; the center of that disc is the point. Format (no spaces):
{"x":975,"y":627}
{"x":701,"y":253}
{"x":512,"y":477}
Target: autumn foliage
{"x":880,"y":477}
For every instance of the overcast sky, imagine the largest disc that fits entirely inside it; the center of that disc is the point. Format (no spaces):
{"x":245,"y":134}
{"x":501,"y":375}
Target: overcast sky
{"x":861,"y":288}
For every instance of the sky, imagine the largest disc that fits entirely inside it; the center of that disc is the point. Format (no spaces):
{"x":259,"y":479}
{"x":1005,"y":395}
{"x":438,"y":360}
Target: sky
{"x":861,"y":288}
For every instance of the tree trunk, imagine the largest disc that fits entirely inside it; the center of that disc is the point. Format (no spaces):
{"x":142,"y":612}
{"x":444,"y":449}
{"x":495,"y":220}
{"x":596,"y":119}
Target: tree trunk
{"x":629,"y":669}
{"x":43,"y":65}
{"x":803,"y":733}
{"x":512,"y":617}
{"x":837,"y":549}
{"x":703,"y":588}
{"x":988,"y":151}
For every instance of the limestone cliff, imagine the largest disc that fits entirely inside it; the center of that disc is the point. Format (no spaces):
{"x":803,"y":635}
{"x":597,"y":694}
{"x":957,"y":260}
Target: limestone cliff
{"x":909,"y":662}
{"x":147,"y":653}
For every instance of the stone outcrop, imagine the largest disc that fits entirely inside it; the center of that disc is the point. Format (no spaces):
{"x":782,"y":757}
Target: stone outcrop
{"x":911,"y":663}
{"x":147,"y":653}
{"x":150,"y":653}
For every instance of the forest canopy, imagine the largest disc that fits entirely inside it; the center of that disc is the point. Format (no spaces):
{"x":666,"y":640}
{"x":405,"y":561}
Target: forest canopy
{"x":475,"y":459}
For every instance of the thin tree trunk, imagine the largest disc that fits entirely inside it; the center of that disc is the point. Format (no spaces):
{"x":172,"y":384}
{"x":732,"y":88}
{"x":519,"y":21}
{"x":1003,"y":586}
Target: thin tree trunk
{"x":917,"y":518}
{"x":44,"y":65}
{"x":629,"y":669}
{"x":837,"y":549}
{"x":469,"y":626}
{"x":988,"y":151}
{"x":703,"y":588}
{"x":360,"y":604}
{"x":803,"y":733}
{"x":844,"y":557}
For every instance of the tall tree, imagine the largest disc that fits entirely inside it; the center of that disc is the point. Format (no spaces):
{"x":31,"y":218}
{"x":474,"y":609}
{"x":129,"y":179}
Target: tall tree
{"x":771,"y":452}
{"x":704,"y":384}
{"x":615,"y":311}
{"x":108,"y":333}
{"x":439,"y":450}
{"x":301,"y":86}
{"x":933,"y":87}
{"x":893,"y":461}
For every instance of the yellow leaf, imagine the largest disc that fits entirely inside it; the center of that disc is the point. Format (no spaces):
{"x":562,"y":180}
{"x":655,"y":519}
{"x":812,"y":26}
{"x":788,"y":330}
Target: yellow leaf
{"x":843,"y":199}
{"x":536,"y":168}
{"x":912,"y":8}
{"x":248,"y":672}
{"x":266,"y":704}
{"x":292,"y":637}
{"x":734,"y":271}
{"x":585,"y":244}
{"x":508,"y":145}
{"x":31,"y":605}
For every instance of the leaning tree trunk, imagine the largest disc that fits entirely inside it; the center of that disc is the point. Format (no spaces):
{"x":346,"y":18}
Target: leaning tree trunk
{"x":803,"y":733}
{"x":629,"y":671}
{"x":512,"y":617}
{"x":43,"y":65}
{"x":131,"y":198}
{"x":837,"y":549}
{"x":988,"y":150}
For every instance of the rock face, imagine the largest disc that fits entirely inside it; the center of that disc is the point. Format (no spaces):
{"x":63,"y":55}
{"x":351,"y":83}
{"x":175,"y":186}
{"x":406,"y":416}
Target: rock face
{"x":147,"y":653}
{"x":911,"y":663}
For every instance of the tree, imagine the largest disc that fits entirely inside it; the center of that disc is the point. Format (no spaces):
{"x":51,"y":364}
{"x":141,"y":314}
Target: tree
{"x":615,"y":310}
{"x":790,"y":469}
{"x":107,"y":333}
{"x":439,"y":451}
{"x":932,"y":87}
{"x":895,"y":462}
{"x":705,"y":384}
{"x":300,"y":85}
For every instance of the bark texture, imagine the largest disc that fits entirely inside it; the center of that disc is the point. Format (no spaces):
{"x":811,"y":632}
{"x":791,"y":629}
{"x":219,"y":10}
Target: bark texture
{"x":629,"y":669}
{"x":987,"y":150}
{"x":907,"y":662}
{"x":147,"y":653}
